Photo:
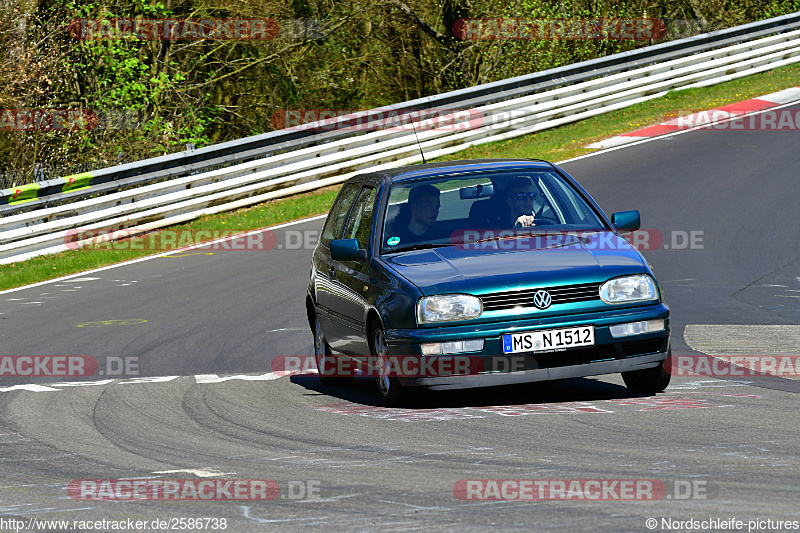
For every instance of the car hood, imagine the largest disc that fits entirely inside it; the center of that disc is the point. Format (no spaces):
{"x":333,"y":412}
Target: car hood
{"x":509,"y":264}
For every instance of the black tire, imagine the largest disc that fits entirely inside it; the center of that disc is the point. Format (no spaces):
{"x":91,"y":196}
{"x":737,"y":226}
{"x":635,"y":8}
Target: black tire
{"x":648,"y":380}
{"x":322,"y":350}
{"x":390,"y":391}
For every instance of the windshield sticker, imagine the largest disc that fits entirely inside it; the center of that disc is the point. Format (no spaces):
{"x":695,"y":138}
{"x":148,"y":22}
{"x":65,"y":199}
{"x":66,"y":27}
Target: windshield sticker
{"x":393,"y":241}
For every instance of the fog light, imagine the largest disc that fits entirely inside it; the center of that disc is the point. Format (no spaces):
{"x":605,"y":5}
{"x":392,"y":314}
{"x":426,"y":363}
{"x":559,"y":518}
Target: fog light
{"x":452,"y":346}
{"x":637,"y":328}
{"x":473,"y":345}
{"x":432,"y":348}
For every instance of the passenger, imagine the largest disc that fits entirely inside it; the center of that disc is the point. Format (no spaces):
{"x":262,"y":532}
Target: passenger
{"x":424,"y":204}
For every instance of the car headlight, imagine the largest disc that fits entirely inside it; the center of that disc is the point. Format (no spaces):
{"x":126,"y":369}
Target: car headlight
{"x":628,"y":289}
{"x":447,"y":307}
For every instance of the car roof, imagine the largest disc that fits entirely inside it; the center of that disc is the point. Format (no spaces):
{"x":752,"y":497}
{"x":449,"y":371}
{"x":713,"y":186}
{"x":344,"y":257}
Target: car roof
{"x":464,"y":165}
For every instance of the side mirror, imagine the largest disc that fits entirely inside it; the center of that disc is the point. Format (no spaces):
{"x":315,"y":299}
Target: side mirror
{"x":347,"y":250}
{"x":627,"y":220}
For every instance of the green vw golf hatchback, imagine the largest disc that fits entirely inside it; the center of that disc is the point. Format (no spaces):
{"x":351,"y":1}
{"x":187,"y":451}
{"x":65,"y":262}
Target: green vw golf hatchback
{"x":481,"y":273}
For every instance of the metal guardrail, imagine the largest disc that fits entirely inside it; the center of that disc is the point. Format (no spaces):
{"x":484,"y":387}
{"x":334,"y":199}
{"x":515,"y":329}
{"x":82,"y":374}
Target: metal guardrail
{"x":172,"y":189}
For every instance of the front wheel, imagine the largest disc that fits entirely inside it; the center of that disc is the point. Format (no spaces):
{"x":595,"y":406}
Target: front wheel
{"x":648,"y":380}
{"x":390,"y":391}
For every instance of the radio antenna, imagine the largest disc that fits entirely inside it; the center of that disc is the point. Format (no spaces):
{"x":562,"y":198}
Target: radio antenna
{"x":417,"y":138}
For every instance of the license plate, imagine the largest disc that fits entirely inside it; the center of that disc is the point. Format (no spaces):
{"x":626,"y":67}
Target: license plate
{"x":548,"y":340}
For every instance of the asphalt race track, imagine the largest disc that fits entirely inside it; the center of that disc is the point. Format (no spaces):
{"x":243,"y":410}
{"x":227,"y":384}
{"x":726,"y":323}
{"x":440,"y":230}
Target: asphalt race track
{"x":202,"y":331}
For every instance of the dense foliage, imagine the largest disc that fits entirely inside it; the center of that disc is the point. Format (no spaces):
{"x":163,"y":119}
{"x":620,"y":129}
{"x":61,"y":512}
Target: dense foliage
{"x":142,"y":97}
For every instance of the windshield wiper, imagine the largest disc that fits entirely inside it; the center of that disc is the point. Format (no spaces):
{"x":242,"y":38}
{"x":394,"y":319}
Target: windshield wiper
{"x":419,"y":246}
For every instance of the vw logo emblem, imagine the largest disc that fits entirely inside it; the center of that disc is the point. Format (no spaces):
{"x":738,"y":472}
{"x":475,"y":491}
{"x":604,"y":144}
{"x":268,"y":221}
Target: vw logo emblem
{"x":542,"y":299}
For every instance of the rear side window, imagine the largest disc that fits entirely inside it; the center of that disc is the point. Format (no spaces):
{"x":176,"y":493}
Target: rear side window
{"x":334,"y":224}
{"x":360,"y":222}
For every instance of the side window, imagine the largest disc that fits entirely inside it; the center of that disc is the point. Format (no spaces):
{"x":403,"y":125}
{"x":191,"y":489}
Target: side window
{"x":360,"y":221}
{"x":338,"y":214}
{"x":576,"y":208}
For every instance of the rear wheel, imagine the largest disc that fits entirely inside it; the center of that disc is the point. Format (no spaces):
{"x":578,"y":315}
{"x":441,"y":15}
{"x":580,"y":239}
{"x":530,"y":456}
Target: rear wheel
{"x":648,"y":380}
{"x":390,"y":391}
{"x":326,"y":362}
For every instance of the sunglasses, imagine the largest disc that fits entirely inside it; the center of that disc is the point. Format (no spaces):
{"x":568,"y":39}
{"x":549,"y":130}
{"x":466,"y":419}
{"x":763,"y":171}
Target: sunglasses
{"x":524,"y":195}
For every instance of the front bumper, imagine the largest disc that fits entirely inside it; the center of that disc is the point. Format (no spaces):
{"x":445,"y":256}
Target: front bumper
{"x":609,"y":354}
{"x":490,"y":379}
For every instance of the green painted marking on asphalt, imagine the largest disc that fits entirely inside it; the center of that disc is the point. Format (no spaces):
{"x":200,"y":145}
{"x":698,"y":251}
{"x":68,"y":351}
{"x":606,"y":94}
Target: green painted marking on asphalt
{"x":100,"y":323}
{"x":77,"y":182}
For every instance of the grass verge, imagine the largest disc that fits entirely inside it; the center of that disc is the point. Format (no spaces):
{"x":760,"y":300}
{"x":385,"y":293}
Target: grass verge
{"x":554,"y":145}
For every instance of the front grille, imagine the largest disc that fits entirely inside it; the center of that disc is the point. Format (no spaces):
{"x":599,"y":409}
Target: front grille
{"x":564,"y":294}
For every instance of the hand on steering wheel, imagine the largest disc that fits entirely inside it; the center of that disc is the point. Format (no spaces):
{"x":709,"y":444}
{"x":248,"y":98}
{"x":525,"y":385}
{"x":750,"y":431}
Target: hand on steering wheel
{"x":525,"y":221}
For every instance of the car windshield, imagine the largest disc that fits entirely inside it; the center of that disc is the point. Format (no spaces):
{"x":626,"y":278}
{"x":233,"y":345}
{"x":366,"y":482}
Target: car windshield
{"x":459,"y":209}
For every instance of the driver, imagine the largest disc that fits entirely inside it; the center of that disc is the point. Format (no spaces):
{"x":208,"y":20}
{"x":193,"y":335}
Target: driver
{"x":520,"y":194}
